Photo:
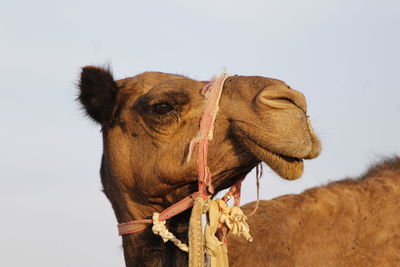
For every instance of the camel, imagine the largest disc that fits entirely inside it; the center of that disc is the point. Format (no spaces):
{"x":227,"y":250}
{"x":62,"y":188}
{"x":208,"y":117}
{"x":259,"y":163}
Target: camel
{"x":353,"y":222}
{"x":147,"y":122}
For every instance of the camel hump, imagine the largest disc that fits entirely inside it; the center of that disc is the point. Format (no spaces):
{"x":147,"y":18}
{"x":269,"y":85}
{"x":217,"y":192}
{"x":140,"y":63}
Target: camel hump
{"x":381,"y":180}
{"x":388,"y":167}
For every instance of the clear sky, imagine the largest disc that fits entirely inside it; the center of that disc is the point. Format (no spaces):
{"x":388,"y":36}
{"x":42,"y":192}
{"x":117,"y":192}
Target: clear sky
{"x":342,"y":54}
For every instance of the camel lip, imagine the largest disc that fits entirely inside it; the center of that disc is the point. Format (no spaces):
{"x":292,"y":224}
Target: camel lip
{"x":239,"y":131}
{"x":286,"y":166}
{"x":280,"y":156}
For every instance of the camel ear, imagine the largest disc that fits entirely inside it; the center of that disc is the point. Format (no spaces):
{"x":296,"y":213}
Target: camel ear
{"x":97,"y":93}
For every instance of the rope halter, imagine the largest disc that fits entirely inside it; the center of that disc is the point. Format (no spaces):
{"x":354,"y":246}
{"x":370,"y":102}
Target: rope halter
{"x":212,"y":93}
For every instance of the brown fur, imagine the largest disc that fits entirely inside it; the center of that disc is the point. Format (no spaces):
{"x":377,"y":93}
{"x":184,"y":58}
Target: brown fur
{"x":147,"y":122}
{"x":354,"y":222}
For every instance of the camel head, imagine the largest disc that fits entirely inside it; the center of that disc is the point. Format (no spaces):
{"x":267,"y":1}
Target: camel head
{"x":148,"y":121}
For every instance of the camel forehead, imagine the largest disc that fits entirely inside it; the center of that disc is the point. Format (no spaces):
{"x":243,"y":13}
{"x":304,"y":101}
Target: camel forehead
{"x":134,"y":87}
{"x":257,"y":81}
{"x":141,"y":84}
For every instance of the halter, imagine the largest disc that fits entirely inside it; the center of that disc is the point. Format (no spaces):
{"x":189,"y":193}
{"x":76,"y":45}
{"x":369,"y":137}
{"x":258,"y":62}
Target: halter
{"x":212,"y":92}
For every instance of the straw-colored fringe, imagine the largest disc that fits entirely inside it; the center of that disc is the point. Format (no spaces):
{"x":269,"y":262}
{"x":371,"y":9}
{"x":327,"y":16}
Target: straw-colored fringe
{"x":196,"y":241}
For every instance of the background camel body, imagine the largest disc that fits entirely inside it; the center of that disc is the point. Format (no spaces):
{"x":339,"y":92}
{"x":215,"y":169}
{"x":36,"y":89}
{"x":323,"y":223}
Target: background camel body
{"x":346,"y":223}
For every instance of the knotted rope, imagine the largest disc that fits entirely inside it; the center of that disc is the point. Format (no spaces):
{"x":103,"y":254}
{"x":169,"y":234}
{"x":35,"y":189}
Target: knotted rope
{"x":160,"y":229}
{"x":218,"y":214}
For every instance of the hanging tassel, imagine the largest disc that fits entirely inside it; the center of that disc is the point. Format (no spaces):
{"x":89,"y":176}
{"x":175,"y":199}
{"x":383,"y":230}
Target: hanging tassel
{"x":196,"y":243}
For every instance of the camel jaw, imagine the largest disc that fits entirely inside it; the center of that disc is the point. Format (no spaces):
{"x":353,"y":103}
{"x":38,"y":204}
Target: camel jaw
{"x":286,"y":166}
{"x":226,"y":179}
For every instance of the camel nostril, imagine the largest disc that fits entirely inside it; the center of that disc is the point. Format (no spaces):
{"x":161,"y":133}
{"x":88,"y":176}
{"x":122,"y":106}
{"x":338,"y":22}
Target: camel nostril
{"x":282,"y":99}
{"x":280,"y":102}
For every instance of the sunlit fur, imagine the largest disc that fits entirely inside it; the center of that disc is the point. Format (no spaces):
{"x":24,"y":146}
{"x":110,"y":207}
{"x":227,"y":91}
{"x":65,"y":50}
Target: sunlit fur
{"x":354,"y":222}
{"x":143,"y":165}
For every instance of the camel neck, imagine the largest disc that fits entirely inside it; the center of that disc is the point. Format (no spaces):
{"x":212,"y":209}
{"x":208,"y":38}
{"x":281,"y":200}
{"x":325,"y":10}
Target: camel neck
{"x":147,"y":249}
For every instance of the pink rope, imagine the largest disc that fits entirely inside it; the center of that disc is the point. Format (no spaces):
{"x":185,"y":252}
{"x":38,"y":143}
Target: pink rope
{"x":212,"y":91}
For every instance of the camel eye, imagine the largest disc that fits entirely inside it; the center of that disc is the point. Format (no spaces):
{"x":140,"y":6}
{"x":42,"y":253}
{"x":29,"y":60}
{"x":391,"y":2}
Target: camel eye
{"x":162,"y":108}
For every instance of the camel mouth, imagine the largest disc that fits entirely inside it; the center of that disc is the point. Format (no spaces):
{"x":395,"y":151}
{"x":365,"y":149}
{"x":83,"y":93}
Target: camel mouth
{"x":287,"y":166}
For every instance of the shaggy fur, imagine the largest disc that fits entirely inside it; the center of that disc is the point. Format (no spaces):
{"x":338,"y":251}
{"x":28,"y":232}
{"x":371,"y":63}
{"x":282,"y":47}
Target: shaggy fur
{"x":354,"y":222}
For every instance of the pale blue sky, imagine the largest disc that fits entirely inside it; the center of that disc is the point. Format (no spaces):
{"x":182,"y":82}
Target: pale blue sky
{"x":343,"y":55}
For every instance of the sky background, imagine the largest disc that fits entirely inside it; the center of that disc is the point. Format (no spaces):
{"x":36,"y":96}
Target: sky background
{"x":343,"y":55}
